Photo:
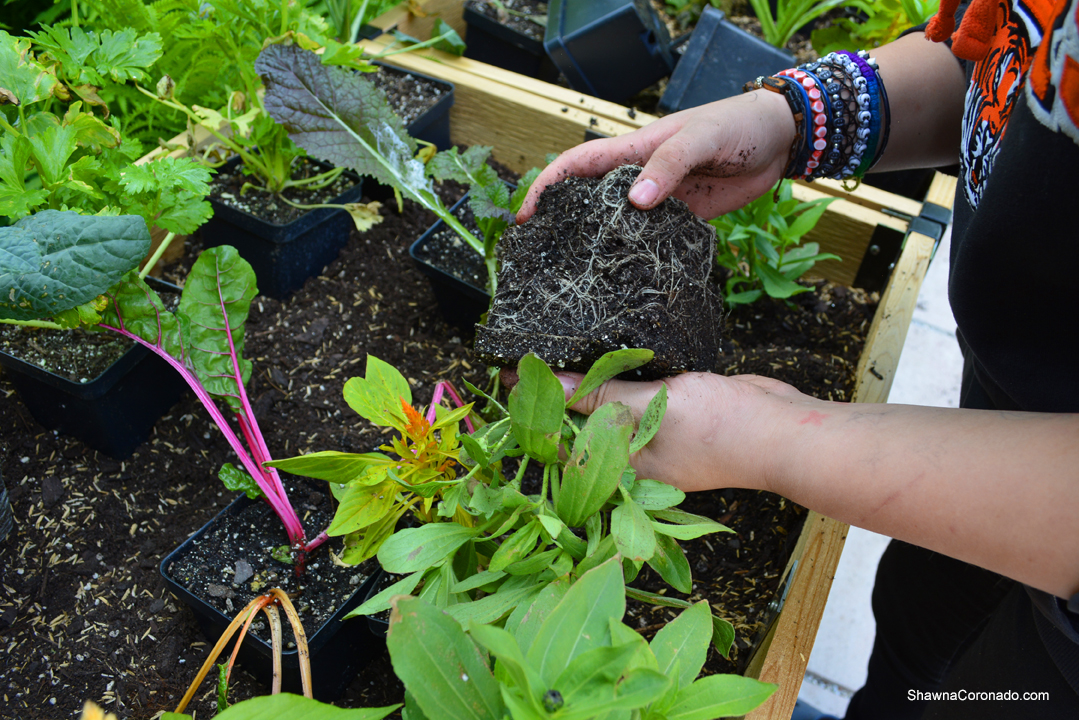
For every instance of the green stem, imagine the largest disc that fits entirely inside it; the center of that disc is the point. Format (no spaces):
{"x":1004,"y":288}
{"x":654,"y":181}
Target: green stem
{"x":44,"y":324}
{"x":521,"y":474}
{"x":75,"y":12}
{"x":156,"y":256}
{"x":410,"y":48}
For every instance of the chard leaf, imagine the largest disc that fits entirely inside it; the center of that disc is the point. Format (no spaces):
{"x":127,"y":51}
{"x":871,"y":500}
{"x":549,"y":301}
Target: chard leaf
{"x":136,"y":308}
{"x":55,"y":261}
{"x":237,"y":480}
{"x":213,"y":309}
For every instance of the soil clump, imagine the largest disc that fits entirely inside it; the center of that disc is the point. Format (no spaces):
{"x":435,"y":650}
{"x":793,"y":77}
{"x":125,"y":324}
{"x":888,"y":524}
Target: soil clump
{"x":590,"y":273}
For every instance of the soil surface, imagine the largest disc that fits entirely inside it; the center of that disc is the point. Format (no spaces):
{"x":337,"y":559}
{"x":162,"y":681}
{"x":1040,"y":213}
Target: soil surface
{"x":515,"y":15}
{"x":84,"y":614}
{"x":408,"y":95}
{"x":589,"y":274}
{"x":227,"y":186}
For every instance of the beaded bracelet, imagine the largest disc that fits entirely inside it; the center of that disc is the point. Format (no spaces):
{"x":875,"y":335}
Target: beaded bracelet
{"x":843,"y":116}
{"x":797,"y":101}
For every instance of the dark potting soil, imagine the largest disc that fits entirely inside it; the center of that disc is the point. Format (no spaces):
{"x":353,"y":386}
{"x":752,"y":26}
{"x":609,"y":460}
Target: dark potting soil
{"x":449,"y":253}
{"x":408,"y":95}
{"x":233,"y":563}
{"x":228,"y":184}
{"x":515,"y":14}
{"x":84,"y":614}
{"x":590,"y":273}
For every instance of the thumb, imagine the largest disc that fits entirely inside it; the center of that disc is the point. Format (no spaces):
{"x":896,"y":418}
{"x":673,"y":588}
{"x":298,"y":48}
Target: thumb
{"x":632,"y":393}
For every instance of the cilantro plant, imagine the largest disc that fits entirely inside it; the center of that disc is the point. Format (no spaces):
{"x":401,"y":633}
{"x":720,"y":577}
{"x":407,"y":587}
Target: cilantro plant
{"x":61,"y":150}
{"x":760,"y":244}
{"x":568,"y":656}
{"x":341,"y":118}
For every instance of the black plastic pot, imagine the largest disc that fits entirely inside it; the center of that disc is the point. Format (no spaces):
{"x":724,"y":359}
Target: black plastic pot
{"x":462,"y":303}
{"x":114,"y":412}
{"x":377,"y":625}
{"x":338,"y":650}
{"x":492,"y":42}
{"x":718,"y":60}
{"x":611,"y":49}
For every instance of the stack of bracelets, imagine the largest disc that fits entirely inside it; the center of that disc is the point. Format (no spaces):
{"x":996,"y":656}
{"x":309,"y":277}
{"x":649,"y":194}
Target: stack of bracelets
{"x":841,"y":115}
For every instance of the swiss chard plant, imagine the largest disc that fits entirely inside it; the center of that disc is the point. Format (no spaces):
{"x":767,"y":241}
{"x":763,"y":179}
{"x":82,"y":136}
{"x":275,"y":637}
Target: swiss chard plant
{"x":62,"y":269}
{"x":567,"y":657}
{"x":340,"y":117}
{"x":61,"y":150}
{"x":761,"y":245}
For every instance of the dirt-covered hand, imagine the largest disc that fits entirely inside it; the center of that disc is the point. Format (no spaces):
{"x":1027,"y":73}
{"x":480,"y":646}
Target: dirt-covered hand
{"x":716,"y":157}
{"x":717,"y":431}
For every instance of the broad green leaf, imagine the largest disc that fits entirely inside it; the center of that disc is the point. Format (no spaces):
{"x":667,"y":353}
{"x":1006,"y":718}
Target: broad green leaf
{"x":237,"y":480}
{"x":378,"y":396}
{"x":580,"y":622}
{"x":475,"y":450}
{"x":638,"y":688}
{"x":552,"y":525}
{"x":419,"y":548}
{"x":55,"y":261}
{"x":516,"y":546}
{"x":632,"y":531}
{"x":440,"y":665}
{"x":534,"y":563}
{"x":650,"y":421}
{"x":449,"y":41}
{"x":689,"y":532}
{"x":478,"y":580}
{"x":722,"y":636}
{"x":333,"y":466}
{"x":571,"y":543}
{"x":671,"y":564}
{"x":297,"y":707}
{"x":605,"y":550}
{"x":136,"y":308}
{"x":51,"y":151}
{"x":600,"y":454}
{"x":495,"y":606}
{"x":593,"y":673}
{"x":361,"y":506}
{"x":775,"y":284}
{"x":610,"y":365}
{"x":504,"y":648}
{"x":622,"y":634}
{"x":213,"y":309}
{"x":655,"y":495}
{"x":537,"y":404}
{"x":23,"y":81}
{"x":808,"y":219}
{"x":526,"y":620}
{"x":719,"y":696}
{"x":685,"y":638}
{"x":381,"y":601}
{"x":363,"y":544}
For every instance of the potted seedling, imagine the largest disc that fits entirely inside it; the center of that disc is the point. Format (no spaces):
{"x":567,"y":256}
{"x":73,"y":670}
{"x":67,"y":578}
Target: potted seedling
{"x":59,"y":148}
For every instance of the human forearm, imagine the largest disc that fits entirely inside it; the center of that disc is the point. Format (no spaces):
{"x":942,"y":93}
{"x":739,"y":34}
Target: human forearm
{"x":998,"y":490}
{"x":926,"y":87}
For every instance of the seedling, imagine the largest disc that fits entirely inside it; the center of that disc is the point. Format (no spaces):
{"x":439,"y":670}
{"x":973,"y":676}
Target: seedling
{"x":761,"y":245}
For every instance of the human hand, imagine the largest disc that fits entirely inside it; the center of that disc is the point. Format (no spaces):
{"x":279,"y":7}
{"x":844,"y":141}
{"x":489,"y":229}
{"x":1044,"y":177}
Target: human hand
{"x":717,"y":432}
{"x":716,"y":157}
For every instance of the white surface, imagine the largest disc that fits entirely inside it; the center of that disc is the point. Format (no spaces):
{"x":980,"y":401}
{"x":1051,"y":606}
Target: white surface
{"x":928,"y":374}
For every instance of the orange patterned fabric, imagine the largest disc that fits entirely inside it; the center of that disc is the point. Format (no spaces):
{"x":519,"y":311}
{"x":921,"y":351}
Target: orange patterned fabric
{"x":1053,"y":90}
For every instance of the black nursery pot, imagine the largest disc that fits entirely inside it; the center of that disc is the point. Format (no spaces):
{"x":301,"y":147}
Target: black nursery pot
{"x":719,"y":58}
{"x":339,"y":649}
{"x":379,"y":626}
{"x":113,"y":413}
{"x":492,"y":42}
{"x":462,"y":303}
{"x":611,"y":49}
{"x":283,"y":256}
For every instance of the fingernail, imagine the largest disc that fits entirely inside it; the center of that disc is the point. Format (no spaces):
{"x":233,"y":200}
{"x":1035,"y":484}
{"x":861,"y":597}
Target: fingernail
{"x":644,"y":192}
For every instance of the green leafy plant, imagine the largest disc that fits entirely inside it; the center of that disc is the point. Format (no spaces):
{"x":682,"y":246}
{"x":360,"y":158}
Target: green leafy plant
{"x":498,"y":547}
{"x":879,"y":23}
{"x":791,"y":15}
{"x":569,"y":656}
{"x":339,"y":117}
{"x":760,"y":244}
{"x":72,"y":159}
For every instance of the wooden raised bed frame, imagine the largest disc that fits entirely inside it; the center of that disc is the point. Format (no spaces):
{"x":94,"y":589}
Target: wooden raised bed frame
{"x":523,"y":119}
